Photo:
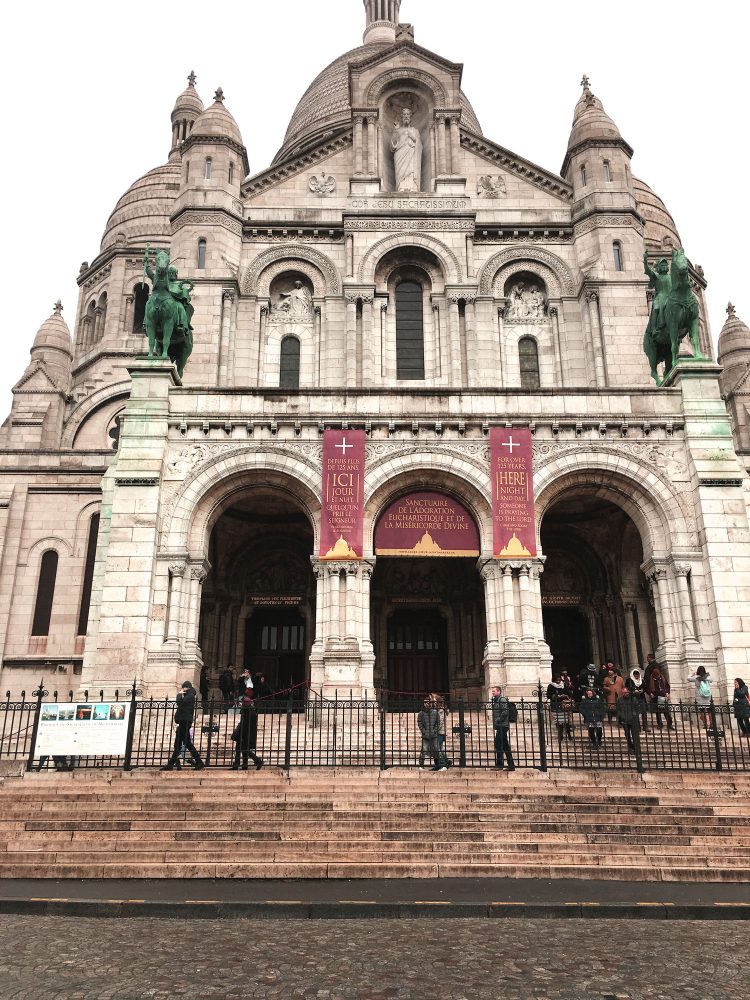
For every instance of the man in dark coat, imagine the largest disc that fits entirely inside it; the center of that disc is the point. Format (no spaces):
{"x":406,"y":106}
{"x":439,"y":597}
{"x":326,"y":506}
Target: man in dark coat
{"x":226,"y":686}
{"x":501,"y":725}
{"x":203,"y":683}
{"x":246,"y":734}
{"x":183,"y":718}
{"x":428,"y":723}
{"x":629,"y":714}
{"x":592,"y":712}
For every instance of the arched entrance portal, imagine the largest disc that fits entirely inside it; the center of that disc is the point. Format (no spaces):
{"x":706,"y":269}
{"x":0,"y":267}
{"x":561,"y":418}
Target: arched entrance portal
{"x":258,"y":606}
{"x":427,"y":599}
{"x":596,"y":604}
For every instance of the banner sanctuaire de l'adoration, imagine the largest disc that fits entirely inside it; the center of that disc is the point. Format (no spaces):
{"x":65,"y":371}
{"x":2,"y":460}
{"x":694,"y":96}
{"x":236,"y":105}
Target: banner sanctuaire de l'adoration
{"x":343,"y":514}
{"x":511,"y":460}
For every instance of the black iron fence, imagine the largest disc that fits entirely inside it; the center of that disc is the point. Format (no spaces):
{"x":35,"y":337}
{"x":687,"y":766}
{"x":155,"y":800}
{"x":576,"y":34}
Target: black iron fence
{"x":302,"y":729}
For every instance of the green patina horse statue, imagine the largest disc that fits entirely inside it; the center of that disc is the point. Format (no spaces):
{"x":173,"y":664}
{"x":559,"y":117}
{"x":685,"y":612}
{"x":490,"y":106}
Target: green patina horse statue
{"x":168,"y":312}
{"x":674,"y":315}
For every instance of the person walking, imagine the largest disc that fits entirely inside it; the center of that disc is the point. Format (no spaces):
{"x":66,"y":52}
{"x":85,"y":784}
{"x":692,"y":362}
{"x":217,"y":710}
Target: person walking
{"x":703,"y":696}
{"x":629,"y":716}
{"x":226,"y":686}
{"x":501,"y":720}
{"x":592,"y":712}
{"x":658,"y":689}
{"x":634,"y":684}
{"x":428,"y":723}
{"x":741,"y":705}
{"x":183,"y":719}
{"x":246,"y":733}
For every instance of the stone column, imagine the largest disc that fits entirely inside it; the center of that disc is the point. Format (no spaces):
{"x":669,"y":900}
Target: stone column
{"x":441,"y":144}
{"x":560,"y":366}
{"x":661,"y":600}
{"x":455,"y":145}
{"x":358,"y":144}
{"x":198,"y":574}
{"x":440,"y":355}
{"x":592,"y":298}
{"x":473,"y":365}
{"x":369,"y":364}
{"x":630,"y":641}
{"x":687,"y":625}
{"x":509,"y":603}
{"x":352,"y":615}
{"x":227,"y":304}
{"x":128,"y":319}
{"x":350,"y":255}
{"x":527,"y":607}
{"x":381,"y":363}
{"x":372,"y":159}
{"x":351,"y":339}
{"x":176,"y":575}
{"x":454,"y":328}
{"x":470,"y":257}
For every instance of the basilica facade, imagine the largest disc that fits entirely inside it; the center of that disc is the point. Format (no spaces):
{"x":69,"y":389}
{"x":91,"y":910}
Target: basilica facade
{"x":395,"y":272}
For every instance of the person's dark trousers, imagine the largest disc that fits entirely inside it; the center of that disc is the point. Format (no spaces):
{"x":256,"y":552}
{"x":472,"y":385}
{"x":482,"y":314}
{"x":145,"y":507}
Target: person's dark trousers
{"x":228,"y":700}
{"x":743,"y":724}
{"x":663,"y":710}
{"x":628,"y":727}
{"x":246,"y":756}
{"x":182,"y":737}
{"x":596,"y":735}
{"x":502,"y":747}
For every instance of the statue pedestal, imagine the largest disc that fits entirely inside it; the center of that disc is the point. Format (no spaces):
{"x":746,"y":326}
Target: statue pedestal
{"x":365,"y":187}
{"x":450,"y":186}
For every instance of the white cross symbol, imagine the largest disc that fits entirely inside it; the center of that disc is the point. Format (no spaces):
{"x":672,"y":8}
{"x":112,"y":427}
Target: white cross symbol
{"x":511,"y":444}
{"x":343,"y":446}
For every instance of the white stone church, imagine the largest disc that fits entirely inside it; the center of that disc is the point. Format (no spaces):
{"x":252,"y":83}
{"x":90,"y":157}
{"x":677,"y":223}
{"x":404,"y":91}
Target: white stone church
{"x":395,"y":271}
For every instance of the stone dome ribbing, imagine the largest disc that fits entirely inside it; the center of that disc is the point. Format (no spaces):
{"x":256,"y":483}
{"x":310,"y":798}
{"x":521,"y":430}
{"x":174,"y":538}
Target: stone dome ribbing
{"x":660,"y":226}
{"x":142,"y":214}
{"x":53,"y":335}
{"x":734,"y":339}
{"x":188,"y":104}
{"x":216,"y":122}
{"x":325,"y":106}
{"x":591,"y":122}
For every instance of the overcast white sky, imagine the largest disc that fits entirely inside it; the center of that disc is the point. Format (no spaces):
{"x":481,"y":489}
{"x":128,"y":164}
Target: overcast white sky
{"x":89,"y":87}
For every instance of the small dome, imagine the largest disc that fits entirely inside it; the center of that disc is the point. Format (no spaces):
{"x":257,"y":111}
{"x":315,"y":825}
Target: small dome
{"x":590,"y":120}
{"x":188,"y":104}
{"x":733,"y":339}
{"x":53,"y":335}
{"x":217,"y":122}
{"x":325,"y":106}
{"x":661,"y":231}
{"x":142,"y":214}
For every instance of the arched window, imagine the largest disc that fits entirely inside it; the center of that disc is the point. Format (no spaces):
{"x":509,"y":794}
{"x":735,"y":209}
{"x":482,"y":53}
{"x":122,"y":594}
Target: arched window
{"x":88,"y":575}
{"x":45,"y":593}
{"x":583,"y":174}
{"x":289,"y":368}
{"x":528,"y":357}
{"x":201,"y":255}
{"x":607,"y":172}
{"x":617,"y":254}
{"x":209,"y":165}
{"x":409,"y":331}
{"x":141,"y":293}
{"x":231,"y":173}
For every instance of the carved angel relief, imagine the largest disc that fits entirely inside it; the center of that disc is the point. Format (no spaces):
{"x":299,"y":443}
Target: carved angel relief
{"x":491,"y":186}
{"x":323,"y":184}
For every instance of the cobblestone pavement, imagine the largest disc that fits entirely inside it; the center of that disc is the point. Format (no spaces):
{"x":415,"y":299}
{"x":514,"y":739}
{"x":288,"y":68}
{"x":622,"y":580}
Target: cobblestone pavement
{"x":149,"y":959}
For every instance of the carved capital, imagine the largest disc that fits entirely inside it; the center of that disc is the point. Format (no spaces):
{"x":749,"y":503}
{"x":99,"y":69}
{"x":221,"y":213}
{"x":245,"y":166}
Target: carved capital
{"x":228,"y":295}
{"x":592,"y":295}
{"x":351,"y":298}
{"x":384,"y":305}
{"x":317,"y":310}
{"x":553,"y":310}
{"x":265,"y":309}
{"x":177,"y":569}
{"x":682,"y":569}
{"x":199,"y":573}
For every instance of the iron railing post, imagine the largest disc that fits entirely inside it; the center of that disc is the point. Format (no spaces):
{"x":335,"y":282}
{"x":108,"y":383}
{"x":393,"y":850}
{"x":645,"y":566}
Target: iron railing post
{"x":717,"y":739}
{"x":636,"y":730}
{"x":461,"y":733}
{"x":40,"y":693}
{"x":133,"y":692}
{"x":288,"y":735}
{"x":541,"y":726}
{"x":383,"y":711}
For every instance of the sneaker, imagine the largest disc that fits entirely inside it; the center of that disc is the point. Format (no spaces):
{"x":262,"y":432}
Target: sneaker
{"x":198,"y":765}
{"x":442,"y":768}
{"x":259,"y":764}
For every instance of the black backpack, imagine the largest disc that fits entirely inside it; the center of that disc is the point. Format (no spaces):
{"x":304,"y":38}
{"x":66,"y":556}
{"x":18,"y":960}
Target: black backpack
{"x":512,"y":712}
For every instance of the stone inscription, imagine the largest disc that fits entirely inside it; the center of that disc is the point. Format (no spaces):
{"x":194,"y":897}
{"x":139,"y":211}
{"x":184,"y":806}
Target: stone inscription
{"x":412,"y":204}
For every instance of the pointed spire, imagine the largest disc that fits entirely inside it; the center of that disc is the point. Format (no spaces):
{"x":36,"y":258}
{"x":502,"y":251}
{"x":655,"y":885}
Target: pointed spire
{"x":57,"y":311}
{"x":731,"y":311}
{"x":192,"y":79}
{"x":733,"y":347}
{"x":219,"y":96}
{"x":187,"y":108}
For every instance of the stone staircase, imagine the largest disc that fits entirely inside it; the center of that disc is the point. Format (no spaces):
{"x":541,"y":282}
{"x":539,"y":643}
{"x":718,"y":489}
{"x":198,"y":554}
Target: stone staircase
{"x":363,"y":823}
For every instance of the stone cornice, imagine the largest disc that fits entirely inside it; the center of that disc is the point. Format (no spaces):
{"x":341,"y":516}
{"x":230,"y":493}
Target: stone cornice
{"x":195,"y":139}
{"x":595,"y":144}
{"x":189,"y":215}
{"x":515,"y":164}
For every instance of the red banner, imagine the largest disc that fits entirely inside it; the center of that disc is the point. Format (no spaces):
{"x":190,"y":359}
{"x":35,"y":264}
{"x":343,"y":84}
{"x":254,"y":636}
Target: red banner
{"x":514,"y":527}
{"x":426,"y":524}
{"x":343,"y":513}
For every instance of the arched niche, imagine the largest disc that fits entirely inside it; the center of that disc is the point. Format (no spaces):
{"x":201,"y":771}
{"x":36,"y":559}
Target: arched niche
{"x":413,"y":98}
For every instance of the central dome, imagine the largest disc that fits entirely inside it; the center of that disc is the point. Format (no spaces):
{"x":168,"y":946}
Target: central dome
{"x":325,"y":108}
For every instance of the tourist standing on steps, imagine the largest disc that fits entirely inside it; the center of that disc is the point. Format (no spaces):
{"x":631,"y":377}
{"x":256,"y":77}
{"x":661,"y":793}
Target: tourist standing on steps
{"x":226,"y":686}
{"x":629,"y":715}
{"x":634,"y":684}
{"x":741,"y":704}
{"x":560,"y":706}
{"x":501,"y":724}
{"x":246,"y":733}
{"x":703,"y":695}
{"x":428,"y":723}
{"x":183,"y":718}
{"x":592,"y":712}
{"x":658,"y":689}
{"x":614,"y":685}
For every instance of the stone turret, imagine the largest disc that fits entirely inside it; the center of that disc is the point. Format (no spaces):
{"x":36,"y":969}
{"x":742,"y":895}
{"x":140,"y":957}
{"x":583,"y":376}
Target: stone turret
{"x":734,"y":355}
{"x":382,"y":21}
{"x":39,"y":396}
{"x":188,"y":107}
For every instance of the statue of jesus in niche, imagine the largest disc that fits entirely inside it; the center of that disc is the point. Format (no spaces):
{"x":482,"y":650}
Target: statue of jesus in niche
{"x":407,"y":154}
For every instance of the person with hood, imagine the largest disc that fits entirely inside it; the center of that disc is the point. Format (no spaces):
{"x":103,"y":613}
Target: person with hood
{"x":501,"y":726}
{"x":587,"y":678}
{"x":741,"y":705}
{"x":703,"y":695}
{"x":634,"y":684}
{"x":245,"y":735}
{"x":428,"y":723}
{"x":183,"y":719}
{"x":592,"y":710}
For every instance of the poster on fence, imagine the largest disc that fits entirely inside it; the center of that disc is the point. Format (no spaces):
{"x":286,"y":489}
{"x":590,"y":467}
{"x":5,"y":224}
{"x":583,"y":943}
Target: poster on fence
{"x":343,"y":513}
{"x":511,"y":457}
{"x":94,"y":730}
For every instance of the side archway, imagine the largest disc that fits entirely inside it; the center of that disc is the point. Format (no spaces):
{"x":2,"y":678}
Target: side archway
{"x":554,"y":271}
{"x":321,"y":270}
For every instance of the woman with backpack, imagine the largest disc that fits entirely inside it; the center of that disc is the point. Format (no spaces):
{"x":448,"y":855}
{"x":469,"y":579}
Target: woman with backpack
{"x":703,"y":696}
